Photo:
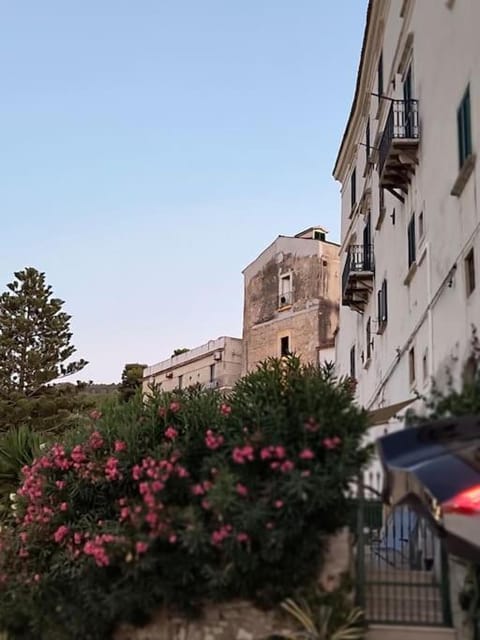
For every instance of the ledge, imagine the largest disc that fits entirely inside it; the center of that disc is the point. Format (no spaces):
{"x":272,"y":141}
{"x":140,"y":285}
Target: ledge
{"x":411,"y":272}
{"x":284,"y":307}
{"x":463,"y":176}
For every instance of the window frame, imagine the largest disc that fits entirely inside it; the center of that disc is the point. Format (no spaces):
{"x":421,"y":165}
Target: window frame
{"x":353,"y":188}
{"x":464,"y":129}
{"x":411,"y":242}
{"x":411,"y":366}
{"x":469,"y":267}
{"x":353,"y":363}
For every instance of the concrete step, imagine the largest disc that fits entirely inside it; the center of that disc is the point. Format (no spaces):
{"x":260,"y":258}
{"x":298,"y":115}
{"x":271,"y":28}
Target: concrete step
{"x":398,"y":632}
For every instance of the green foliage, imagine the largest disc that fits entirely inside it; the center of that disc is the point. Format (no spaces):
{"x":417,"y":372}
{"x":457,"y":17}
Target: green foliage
{"x":178,"y":352}
{"x":326,"y":622}
{"x":132,"y":376}
{"x":18,"y":447}
{"x":187,"y":498}
{"x":35,"y":340}
{"x":35,"y":343}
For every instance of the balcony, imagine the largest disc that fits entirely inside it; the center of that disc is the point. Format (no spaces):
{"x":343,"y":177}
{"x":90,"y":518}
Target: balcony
{"x":357,"y":277}
{"x":397,"y":155}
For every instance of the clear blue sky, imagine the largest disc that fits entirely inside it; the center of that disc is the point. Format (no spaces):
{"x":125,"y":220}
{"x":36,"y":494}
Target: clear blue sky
{"x":150,"y":149}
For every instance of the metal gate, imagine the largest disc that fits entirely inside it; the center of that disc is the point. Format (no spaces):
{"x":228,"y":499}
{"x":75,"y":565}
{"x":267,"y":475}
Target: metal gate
{"x":402,"y":567}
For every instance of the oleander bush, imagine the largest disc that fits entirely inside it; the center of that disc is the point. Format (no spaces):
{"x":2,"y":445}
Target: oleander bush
{"x":179,"y":500}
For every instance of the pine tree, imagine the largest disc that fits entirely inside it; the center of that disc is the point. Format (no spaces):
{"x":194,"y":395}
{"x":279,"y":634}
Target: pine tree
{"x":132,"y":376}
{"x":35,"y":337}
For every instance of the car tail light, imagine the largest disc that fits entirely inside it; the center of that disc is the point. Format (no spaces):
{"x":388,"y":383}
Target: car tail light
{"x":466,"y":503}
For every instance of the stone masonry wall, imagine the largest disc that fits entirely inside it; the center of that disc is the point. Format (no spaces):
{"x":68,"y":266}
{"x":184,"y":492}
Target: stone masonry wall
{"x":241,"y":620}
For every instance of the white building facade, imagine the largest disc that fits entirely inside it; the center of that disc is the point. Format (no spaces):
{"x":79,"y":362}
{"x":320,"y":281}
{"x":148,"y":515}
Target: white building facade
{"x":410,"y":217}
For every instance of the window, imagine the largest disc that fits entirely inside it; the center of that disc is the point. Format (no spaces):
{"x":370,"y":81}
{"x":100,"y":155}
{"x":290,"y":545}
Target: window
{"x":353,"y":188}
{"x":381,"y":198}
{"x":368,"y":336}
{"x":367,"y":139}
{"x":382,"y":307}
{"x":464,"y":129}
{"x":285,"y":294}
{"x":180,"y":382}
{"x":367,"y":245}
{"x":411,"y":241}
{"x":411,"y":366}
{"x":470,"y":272}
{"x":352,"y":363}
{"x":421,"y":225}
{"x":284,"y":346}
{"x":380,"y":75}
{"x":318,"y":235}
{"x":425,"y":365}
{"x":212,"y":372}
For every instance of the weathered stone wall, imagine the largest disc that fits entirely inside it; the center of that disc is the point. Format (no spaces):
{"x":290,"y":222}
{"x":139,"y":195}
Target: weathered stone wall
{"x":311,"y":318}
{"x":240,"y":620}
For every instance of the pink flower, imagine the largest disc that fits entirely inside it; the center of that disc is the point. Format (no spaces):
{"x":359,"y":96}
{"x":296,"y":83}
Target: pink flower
{"x":280,"y":452}
{"x":77,"y":538}
{"x":311,"y":425}
{"x":287,"y":466}
{"x":64,"y":506}
{"x":175,"y":407}
{"x":111,"y":469}
{"x":161,"y":412}
{"x":198,"y":490}
{"x":275,"y":465}
{"x":141,"y":547}
{"x":243,"y":537}
{"x":23,"y":536}
{"x":171,"y":433}
{"x":120,"y":446}
{"x":95,"y":415}
{"x":241,"y":489}
{"x":266,"y":453}
{"x":95,"y":440}
{"x":237,"y":455}
{"x":305,"y":474}
{"x":77,"y":454}
{"x":243,"y":454}
{"x":61,"y":533}
{"x":60,"y":484}
{"x":332,"y":443}
{"x":225,"y":409}
{"x":278,"y":504}
{"x":172,"y":538}
{"x":206,"y":505}
{"x":306,"y":454}
{"x":36,"y":577}
{"x":213,"y":441}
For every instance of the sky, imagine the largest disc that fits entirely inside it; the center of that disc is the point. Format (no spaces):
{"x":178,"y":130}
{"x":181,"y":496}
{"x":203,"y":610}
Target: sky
{"x":151,"y":149}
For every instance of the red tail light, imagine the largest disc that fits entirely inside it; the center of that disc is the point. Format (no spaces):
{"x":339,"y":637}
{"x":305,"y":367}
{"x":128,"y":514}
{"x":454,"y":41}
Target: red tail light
{"x":466,"y":503}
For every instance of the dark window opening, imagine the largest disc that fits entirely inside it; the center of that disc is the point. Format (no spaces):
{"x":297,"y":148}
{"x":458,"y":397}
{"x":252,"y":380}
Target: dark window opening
{"x":367,"y":139}
{"x":180,"y":382}
{"x":411,"y":241}
{"x":284,"y":346}
{"x":382,"y":306}
{"x":380,"y":75}
{"x":411,"y":365}
{"x":352,"y":363}
{"x":368,"y":335}
{"x":470,"y":272}
{"x":212,"y":373}
{"x":353,"y":188}
{"x":318,"y":235}
{"x":464,"y":127}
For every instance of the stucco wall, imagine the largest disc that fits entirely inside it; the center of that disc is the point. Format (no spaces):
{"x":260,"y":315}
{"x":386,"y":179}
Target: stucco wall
{"x":310,"y":320}
{"x":429,"y":311}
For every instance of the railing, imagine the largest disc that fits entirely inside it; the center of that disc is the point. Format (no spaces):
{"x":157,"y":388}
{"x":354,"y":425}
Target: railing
{"x":402,"y":123}
{"x":285,"y":299}
{"x":402,"y":571}
{"x":359,"y":259}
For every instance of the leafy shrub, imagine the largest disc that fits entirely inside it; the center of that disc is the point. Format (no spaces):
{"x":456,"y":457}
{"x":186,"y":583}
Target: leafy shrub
{"x":180,"y":500}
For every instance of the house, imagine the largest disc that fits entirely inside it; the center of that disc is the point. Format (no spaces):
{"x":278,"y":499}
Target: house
{"x":409,"y":215}
{"x":215,"y":365}
{"x":291,"y":298}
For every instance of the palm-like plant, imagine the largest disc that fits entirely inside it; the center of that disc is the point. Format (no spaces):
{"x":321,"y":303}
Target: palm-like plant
{"x":18,"y":447}
{"x":321,"y":625}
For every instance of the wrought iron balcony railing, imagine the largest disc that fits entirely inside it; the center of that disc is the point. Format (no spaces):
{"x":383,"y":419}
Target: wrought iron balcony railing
{"x":357,"y":273}
{"x":401,"y":124}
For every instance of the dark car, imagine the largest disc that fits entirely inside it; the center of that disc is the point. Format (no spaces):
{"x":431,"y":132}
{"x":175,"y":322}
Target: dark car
{"x":435,"y":469}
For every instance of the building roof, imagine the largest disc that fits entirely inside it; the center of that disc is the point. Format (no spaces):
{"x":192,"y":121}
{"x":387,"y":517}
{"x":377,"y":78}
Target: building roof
{"x":357,"y":85}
